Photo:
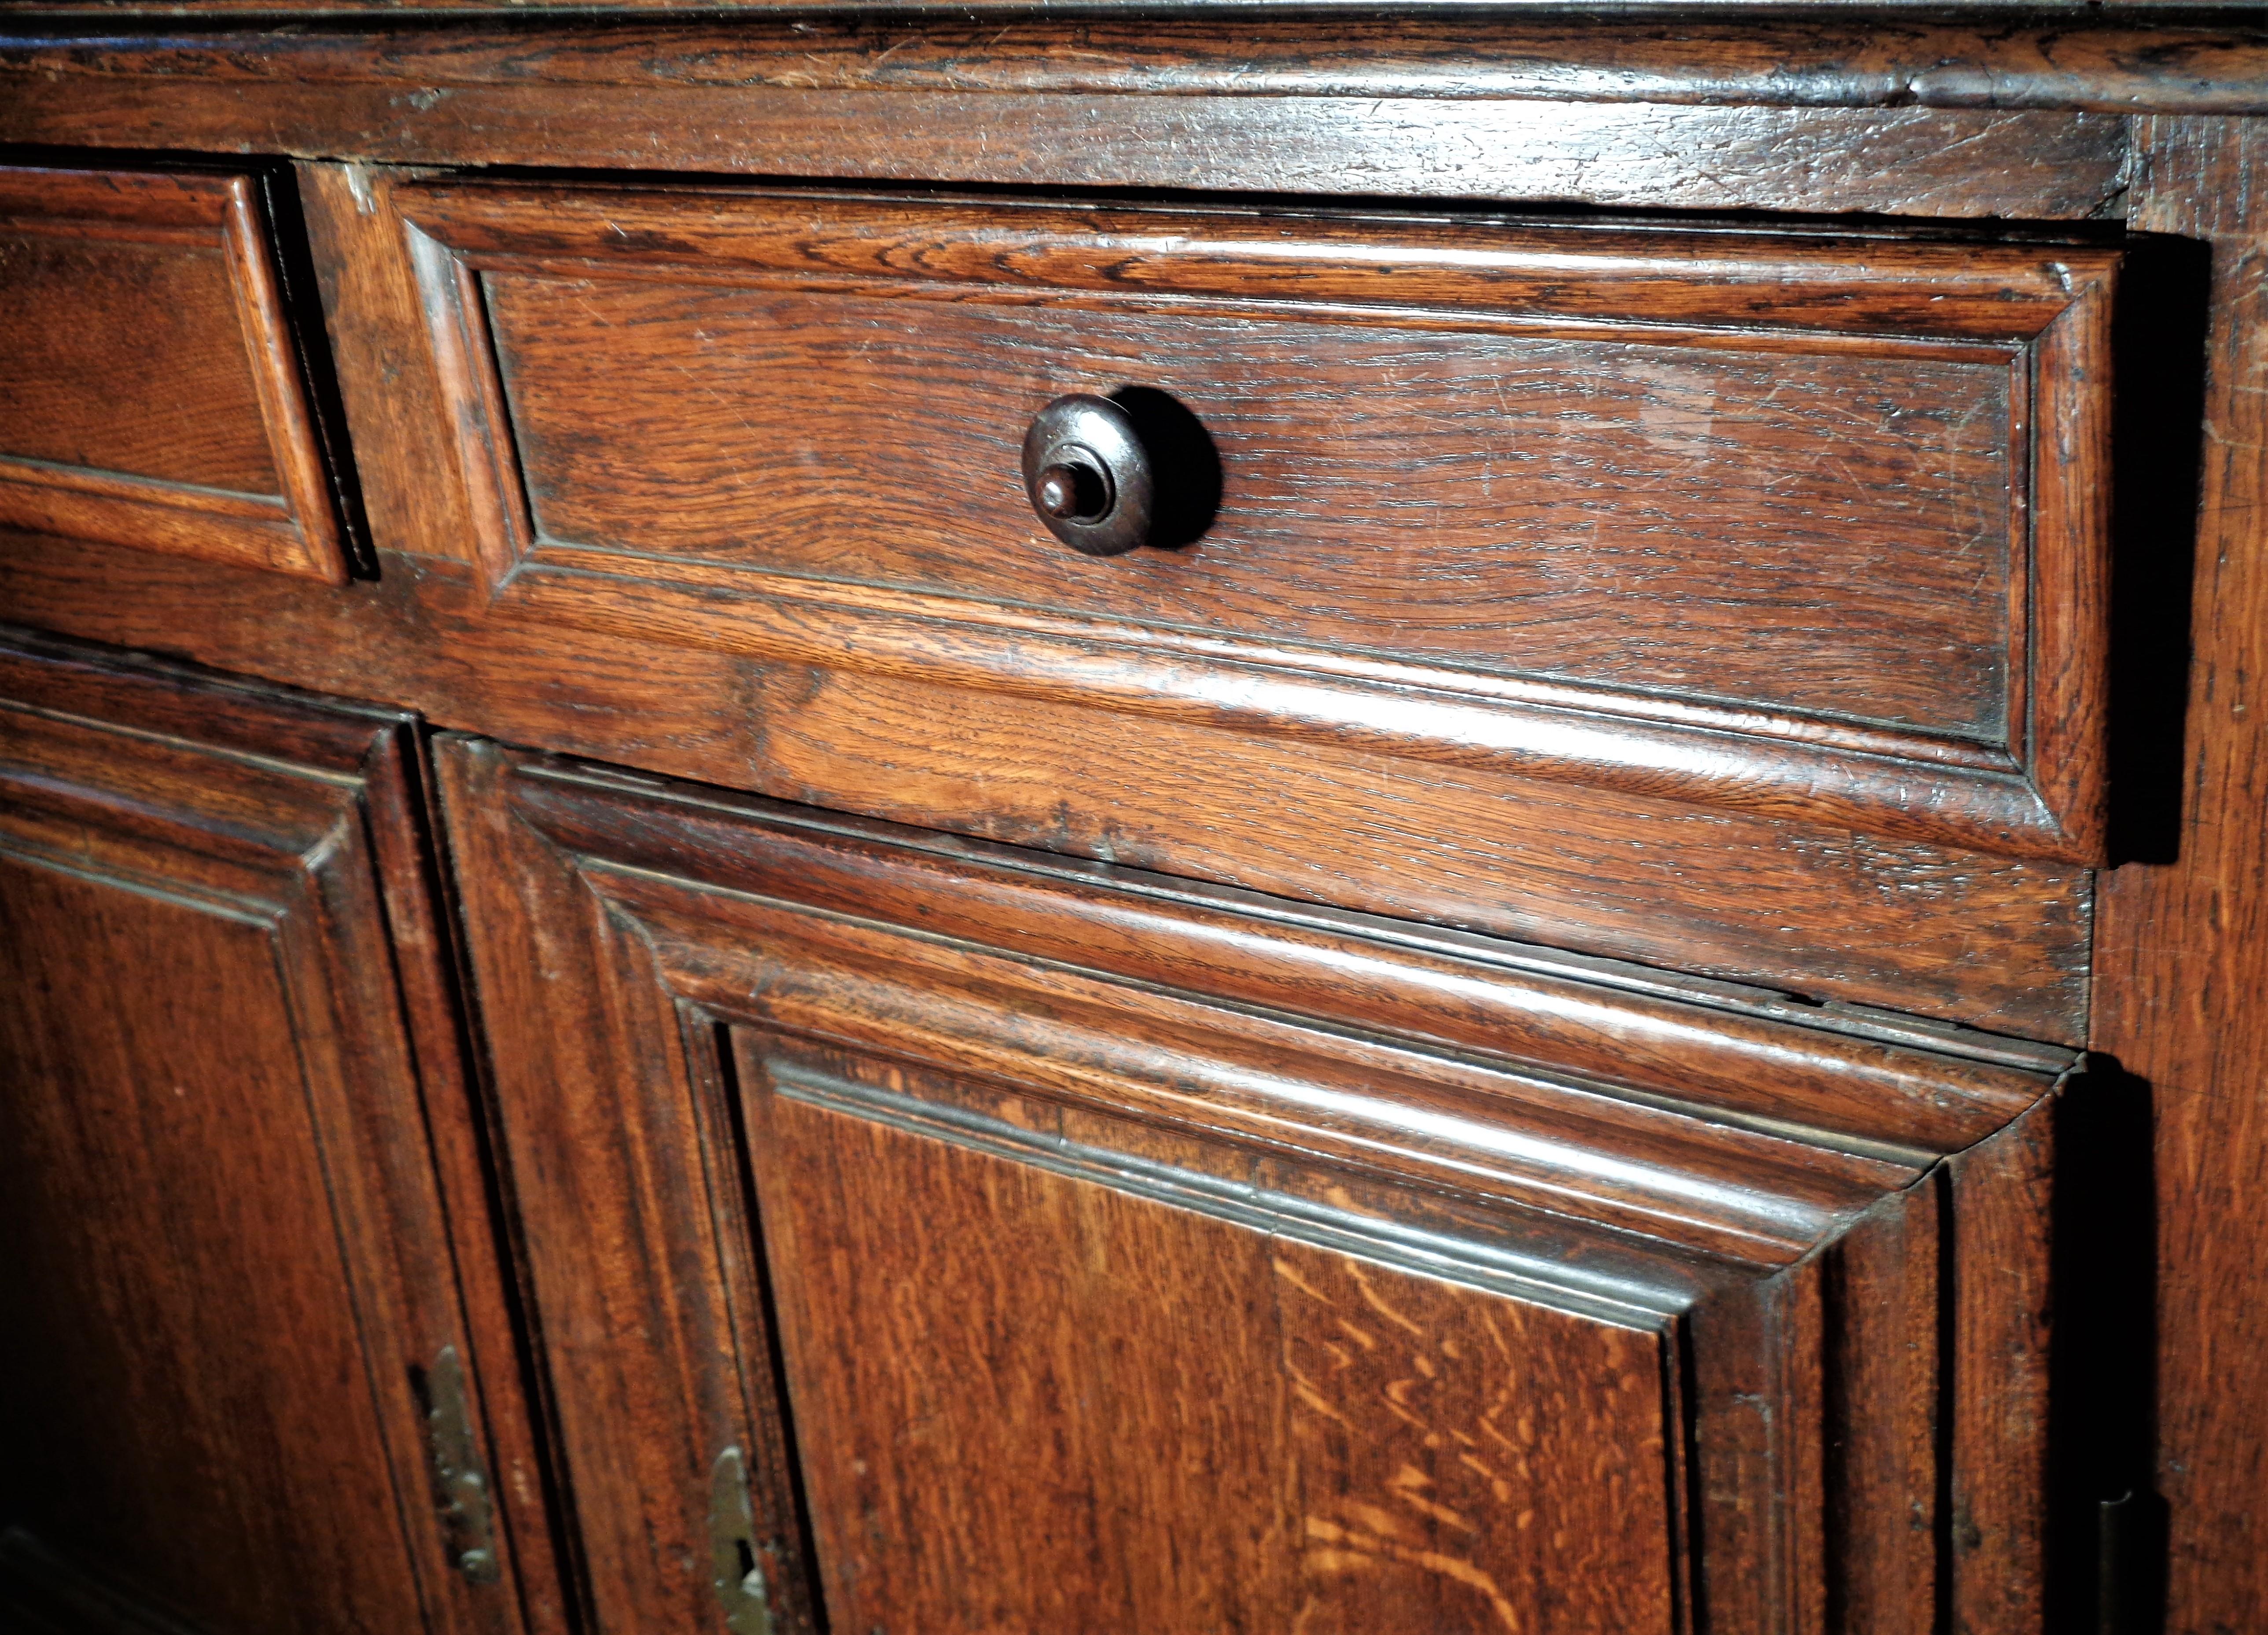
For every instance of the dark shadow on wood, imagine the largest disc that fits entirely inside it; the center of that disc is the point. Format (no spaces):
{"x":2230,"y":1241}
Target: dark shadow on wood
{"x":2107,"y":1531}
{"x":1186,"y":463}
{"x":2159,"y":359}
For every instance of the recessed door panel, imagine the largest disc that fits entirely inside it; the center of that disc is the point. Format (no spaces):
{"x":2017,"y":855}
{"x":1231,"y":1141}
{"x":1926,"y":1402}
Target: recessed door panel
{"x":1041,"y":1377}
{"x":239,"y":1387}
{"x":936,"y":1237}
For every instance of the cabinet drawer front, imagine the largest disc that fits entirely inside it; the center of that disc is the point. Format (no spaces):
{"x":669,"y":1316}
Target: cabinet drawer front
{"x":151,"y":391}
{"x":1077,"y":1248}
{"x":1794,"y":524}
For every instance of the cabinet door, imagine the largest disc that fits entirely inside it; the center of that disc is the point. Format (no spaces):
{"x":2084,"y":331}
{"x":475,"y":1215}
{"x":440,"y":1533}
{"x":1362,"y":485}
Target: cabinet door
{"x":238,"y":1390}
{"x":931,"y":1237}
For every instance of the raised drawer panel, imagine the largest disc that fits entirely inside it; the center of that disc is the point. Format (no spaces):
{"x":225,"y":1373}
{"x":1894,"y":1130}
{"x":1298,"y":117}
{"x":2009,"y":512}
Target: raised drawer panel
{"x":151,"y":388}
{"x":1733,"y":522}
{"x":1808,"y":527}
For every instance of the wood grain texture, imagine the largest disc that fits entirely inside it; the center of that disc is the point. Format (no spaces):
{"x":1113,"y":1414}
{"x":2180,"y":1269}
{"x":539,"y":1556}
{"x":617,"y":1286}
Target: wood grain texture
{"x":153,"y":393}
{"x":1179,"y":1420}
{"x":2181,"y":942}
{"x":1469,"y":500}
{"x":1739,"y":1052}
{"x":614,"y":1137}
{"x":1496,"y":538}
{"x":229,"y":1250}
{"x":1997,"y":944}
{"x":918,"y":1034}
{"x":206,"y":94}
{"x":406,"y":480}
{"x":1998,"y":1545}
{"x":2080,"y":60}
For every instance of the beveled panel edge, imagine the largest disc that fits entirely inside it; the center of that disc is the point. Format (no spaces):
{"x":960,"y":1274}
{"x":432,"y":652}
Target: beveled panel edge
{"x":1678,"y":1042}
{"x":1620,"y":1301}
{"x":1882,"y":285}
{"x":130,"y":692}
{"x":1335,"y":1098}
{"x":777,"y":618}
{"x":296,"y":532}
{"x":78,"y":502}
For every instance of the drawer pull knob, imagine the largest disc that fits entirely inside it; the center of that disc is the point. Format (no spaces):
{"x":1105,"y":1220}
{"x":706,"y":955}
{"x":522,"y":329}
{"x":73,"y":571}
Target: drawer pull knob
{"x":1088,"y":475}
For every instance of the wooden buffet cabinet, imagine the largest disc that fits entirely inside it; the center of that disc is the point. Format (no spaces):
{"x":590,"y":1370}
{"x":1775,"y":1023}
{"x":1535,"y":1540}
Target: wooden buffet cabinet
{"x":1197,"y":819}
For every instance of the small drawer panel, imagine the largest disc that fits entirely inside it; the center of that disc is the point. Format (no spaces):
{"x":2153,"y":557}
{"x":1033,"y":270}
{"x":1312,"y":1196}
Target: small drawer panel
{"x":150,"y":391}
{"x":1806,"y":525}
{"x":1731,"y":522}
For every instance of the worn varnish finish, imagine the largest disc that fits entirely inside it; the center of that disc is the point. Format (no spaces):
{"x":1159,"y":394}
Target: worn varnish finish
{"x":2183,"y":943}
{"x":234,"y":1115}
{"x":1010,"y":1051}
{"x":1687,"y":550}
{"x":150,"y":391}
{"x":204,"y":92}
{"x":1999,"y":944}
{"x":1013,"y":1133}
{"x":2080,"y":60}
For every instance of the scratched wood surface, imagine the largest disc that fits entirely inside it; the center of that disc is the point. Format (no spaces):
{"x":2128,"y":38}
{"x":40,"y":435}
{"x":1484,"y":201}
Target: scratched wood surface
{"x":651,"y":110}
{"x":1824,"y":534}
{"x":2072,"y":58}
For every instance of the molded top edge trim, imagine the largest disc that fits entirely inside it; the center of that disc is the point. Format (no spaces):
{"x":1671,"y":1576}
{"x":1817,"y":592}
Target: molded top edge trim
{"x":1859,"y":54}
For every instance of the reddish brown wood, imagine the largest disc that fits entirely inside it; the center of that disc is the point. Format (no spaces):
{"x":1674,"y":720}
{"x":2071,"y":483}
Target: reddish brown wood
{"x":404,"y":442}
{"x":2183,"y":943}
{"x":2079,"y":59}
{"x":1807,"y":1477}
{"x":229,"y":1255}
{"x":206,"y":92}
{"x":653,"y":1338}
{"x":1597,"y":554}
{"x":2003,"y":1198}
{"x":1997,"y":944}
{"x":968,"y":1045}
{"x":1158,"y":1414}
{"x":151,"y":391}
{"x":1885,"y":1351}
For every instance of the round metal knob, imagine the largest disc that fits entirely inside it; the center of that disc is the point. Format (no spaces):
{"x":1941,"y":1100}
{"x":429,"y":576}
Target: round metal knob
{"x":1088,"y":475}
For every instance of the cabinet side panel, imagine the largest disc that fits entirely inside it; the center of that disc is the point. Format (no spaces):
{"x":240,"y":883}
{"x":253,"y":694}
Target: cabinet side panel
{"x":2182,"y":946}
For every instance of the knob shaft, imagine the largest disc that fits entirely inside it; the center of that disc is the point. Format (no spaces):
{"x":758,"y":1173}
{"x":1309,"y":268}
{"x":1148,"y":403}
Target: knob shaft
{"x":1089,"y":475}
